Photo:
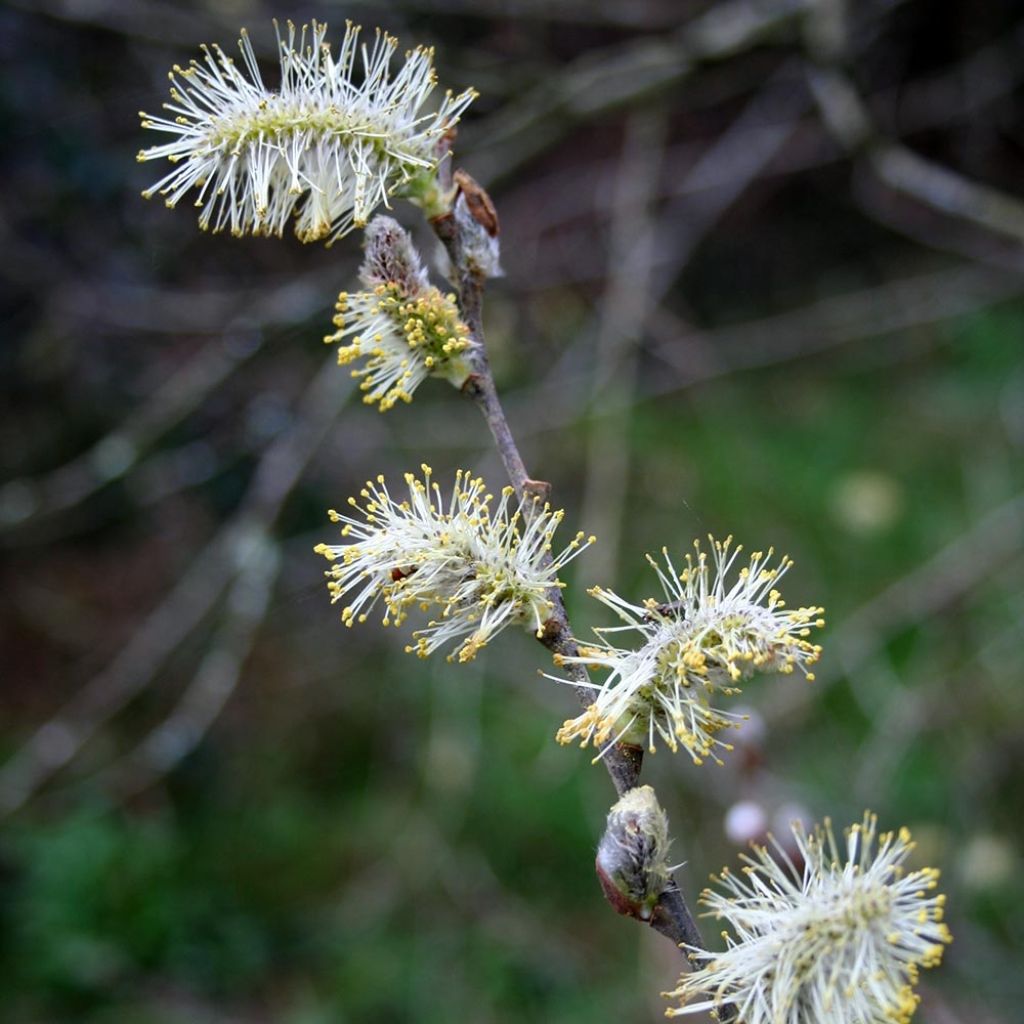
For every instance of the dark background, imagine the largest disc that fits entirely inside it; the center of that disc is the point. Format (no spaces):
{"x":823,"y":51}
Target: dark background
{"x":719,"y":315}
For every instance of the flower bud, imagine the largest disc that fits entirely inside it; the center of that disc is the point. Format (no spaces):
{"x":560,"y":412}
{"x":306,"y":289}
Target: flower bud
{"x":480,"y":251}
{"x":632,"y":863}
{"x":391,"y":258}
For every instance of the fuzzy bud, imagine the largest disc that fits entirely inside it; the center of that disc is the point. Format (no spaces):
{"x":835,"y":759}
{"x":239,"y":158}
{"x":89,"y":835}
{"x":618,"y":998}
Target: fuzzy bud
{"x":391,"y":258}
{"x":632,"y":863}
{"x":479,"y":251}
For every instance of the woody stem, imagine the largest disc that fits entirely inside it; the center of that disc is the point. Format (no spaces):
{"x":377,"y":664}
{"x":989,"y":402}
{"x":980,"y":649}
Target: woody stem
{"x":671,"y":917}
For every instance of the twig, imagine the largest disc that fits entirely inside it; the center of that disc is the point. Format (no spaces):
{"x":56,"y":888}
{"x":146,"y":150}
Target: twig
{"x":623,"y":761}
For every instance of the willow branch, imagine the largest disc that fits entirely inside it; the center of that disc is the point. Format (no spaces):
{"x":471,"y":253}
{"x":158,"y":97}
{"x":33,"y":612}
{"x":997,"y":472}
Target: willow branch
{"x":623,"y":761}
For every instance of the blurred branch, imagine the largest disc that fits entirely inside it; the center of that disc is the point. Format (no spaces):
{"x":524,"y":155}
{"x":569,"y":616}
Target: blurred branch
{"x":637,"y":282}
{"x":160,"y":22}
{"x":60,"y":739}
{"x":623,"y":310}
{"x":767,"y":341}
{"x":725,"y":170}
{"x":837,"y":320}
{"x":140,"y":19}
{"x":240,"y":545}
{"x":943,"y":190}
{"x":849,"y":120}
{"x":915,"y":221}
{"x":893,"y":721}
{"x":926,"y":590}
{"x":425,"y":859}
{"x":645,"y":14}
{"x":734,"y":160}
{"x":217,"y":676}
{"x":957,"y":93}
{"x":274,"y":302}
{"x":607,"y":79}
{"x":887,"y":308}
{"x":23,"y":501}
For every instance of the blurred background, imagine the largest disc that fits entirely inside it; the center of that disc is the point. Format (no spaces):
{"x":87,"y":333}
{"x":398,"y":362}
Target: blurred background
{"x":764,"y":276}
